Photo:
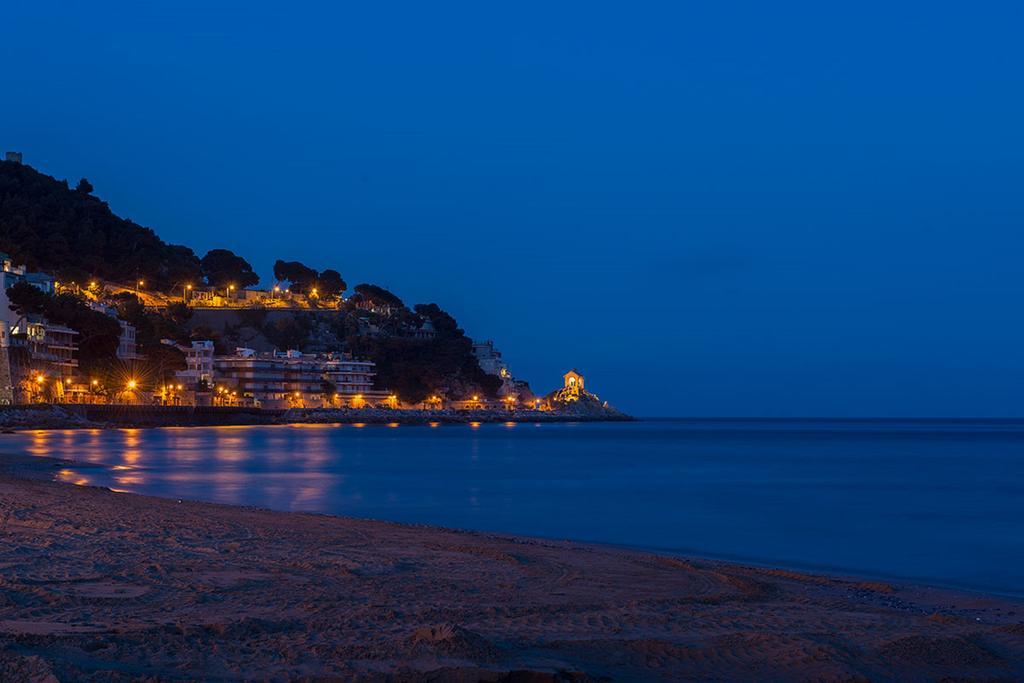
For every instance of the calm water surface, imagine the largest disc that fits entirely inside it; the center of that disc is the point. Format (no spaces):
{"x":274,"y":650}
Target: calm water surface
{"x":940,"y":501}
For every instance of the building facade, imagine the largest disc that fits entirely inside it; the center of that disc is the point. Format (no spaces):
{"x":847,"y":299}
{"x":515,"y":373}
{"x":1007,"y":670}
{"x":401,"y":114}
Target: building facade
{"x":296,"y":380}
{"x":350,"y":377}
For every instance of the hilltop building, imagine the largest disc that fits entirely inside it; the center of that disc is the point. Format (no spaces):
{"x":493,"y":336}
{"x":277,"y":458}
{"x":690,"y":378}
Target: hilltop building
{"x":489,"y":358}
{"x":491,"y":362}
{"x":573,"y":382}
{"x":572,"y":391}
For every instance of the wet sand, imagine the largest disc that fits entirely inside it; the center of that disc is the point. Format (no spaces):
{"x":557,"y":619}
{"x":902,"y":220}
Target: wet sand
{"x":96,"y":585}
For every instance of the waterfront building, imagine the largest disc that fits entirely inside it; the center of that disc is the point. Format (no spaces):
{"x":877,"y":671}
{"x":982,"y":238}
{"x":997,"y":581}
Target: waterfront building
{"x":198,"y":375}
{"x":350,"y":377}
{"x":296,"y":380}
{"x":30,"y":346}
{"x":272,"y":380}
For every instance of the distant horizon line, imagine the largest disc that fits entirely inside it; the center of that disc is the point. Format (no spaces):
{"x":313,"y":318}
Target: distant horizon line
{"x":818,"y":418}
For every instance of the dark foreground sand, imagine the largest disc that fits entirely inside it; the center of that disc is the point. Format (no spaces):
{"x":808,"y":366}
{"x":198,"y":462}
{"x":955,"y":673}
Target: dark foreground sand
{"x":96,"y":585}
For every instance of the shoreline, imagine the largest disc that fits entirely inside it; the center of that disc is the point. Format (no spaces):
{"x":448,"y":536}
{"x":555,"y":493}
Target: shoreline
{"x":84,"y":416}
{"x":830,"y":571}
{"x":131,"y":585}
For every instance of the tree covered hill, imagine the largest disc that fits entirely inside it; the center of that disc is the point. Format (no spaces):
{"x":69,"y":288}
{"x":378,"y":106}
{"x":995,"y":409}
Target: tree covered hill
{"x":69,"y":232}
{"x":49,"y":227}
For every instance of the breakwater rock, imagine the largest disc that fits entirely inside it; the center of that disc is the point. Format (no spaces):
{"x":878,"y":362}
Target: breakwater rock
{"x":43,"y":416}
{"x":385,"y":416}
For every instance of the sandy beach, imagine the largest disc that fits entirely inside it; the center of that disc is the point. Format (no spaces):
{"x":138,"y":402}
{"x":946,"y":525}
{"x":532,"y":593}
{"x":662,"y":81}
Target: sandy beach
{"x":97,"y":585}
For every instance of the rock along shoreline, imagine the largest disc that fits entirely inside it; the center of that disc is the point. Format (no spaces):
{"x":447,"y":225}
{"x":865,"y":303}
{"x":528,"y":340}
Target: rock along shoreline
{"x":68,"y":416}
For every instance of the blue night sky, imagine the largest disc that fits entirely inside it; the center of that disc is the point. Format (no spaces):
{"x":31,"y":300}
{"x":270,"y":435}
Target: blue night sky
{"x":709,"y":208}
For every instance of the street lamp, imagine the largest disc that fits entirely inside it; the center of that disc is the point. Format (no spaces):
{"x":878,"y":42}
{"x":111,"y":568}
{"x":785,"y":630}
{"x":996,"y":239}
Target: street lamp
{"x":184,"y":293}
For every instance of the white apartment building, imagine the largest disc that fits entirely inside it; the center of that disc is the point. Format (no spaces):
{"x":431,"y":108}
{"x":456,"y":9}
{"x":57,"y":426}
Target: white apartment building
{"x":198,"y":364}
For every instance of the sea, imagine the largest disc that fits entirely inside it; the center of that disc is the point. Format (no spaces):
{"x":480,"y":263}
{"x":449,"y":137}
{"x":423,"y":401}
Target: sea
{"x":939,"y":502}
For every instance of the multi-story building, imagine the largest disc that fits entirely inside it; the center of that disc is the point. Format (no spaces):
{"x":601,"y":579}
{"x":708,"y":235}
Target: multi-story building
{"x":350,"y":377}
{"x":10,"y":275}
{"x":293,"y":379}
{"x":491,"y":362}
{"x":32,"y":349}
{"x":198,"y":364}
{"x":274,"y":380}
{"x":198,"y":372}
{"x":489,"y":358}
{"x":126,"y":348}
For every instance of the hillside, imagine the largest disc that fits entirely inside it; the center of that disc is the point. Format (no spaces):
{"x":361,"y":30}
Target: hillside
{"x":72,"y":234}
{"x":69,"y":232}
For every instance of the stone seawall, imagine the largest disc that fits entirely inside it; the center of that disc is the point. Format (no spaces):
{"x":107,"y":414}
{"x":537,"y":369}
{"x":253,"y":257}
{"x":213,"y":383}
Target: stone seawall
{"x":66,"y":416}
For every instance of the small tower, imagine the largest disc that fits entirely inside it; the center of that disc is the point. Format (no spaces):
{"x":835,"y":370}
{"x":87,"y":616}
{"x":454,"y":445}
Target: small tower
{"x":573,"y":382}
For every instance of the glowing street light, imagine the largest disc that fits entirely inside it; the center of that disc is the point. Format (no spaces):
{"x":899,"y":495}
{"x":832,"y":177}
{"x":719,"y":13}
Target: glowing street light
{"x":132,"y":384}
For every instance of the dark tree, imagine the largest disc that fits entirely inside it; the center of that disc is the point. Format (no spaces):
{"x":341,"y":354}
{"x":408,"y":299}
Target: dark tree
{"x":73,"y":274}
{"x":288,"y":333}
{"x":443,"y":323}
{"x":179,"y":313}
{"x":330,"y":283}
{"x":84,"y":187}
{"x":98,"y":334}
{"x":378,"y":296}
{"x":328,"y":389}
{"x":26,"y":299}
{"x":299,"y":276}
{"x":221,"y":268}
{"x":49,"y":227}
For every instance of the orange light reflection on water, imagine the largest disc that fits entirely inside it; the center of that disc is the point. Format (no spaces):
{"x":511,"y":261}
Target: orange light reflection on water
{"x":182,"y":461}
